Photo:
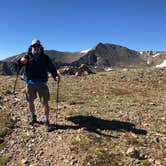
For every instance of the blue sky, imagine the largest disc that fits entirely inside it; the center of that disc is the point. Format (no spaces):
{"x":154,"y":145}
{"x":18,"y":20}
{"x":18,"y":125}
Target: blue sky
{"x":75,"y":25}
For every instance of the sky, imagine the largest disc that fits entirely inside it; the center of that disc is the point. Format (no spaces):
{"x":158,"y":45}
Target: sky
{"x":75,"y":25}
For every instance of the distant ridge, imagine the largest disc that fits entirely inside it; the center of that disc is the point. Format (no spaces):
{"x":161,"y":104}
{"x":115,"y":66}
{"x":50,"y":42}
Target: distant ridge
{"x":110,"y":55}
{"x":100,"y":56}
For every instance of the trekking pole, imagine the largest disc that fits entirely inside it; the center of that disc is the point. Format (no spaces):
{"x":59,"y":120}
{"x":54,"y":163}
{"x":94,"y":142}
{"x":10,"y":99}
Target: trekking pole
{"x":14,"y":88}
{"x":57,"y":100}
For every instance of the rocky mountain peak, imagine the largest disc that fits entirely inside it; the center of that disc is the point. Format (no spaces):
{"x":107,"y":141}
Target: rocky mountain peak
{"x":101,"y":55}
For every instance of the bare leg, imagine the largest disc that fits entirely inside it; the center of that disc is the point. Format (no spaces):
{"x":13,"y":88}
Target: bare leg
{"x":32,"y":110}
{"x":31,"y":107}
{"x":46,"y":109}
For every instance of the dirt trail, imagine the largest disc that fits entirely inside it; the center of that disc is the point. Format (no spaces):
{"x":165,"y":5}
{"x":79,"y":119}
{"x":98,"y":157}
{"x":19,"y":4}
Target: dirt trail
{"x":33,"y":145}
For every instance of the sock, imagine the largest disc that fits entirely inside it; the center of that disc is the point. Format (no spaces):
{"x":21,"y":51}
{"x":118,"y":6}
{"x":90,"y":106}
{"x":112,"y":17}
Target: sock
{"x":46,"y":118}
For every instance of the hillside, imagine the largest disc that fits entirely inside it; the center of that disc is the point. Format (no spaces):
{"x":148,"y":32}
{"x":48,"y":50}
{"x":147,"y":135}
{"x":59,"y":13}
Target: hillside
{"x":154,"y":58}
{"x":57,"y":57}
{"x":100,"y":56}
{"x":106,"y":119}
{"x":111,"y":55}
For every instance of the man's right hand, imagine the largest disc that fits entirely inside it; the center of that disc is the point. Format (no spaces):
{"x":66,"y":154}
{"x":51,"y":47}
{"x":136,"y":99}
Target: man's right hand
{"x":57,"y":78}
{"x":23,"y":60}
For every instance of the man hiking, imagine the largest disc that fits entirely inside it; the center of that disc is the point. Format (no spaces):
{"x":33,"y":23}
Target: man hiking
{"x":37,"y":64}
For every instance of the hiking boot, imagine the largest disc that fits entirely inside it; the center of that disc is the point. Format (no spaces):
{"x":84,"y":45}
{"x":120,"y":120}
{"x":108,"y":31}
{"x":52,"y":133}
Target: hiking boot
{"x":47,"y":123}
{"x":33,"y":121}
{"x":48,"y":126}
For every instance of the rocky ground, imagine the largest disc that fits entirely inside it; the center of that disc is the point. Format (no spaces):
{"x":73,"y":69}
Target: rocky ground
{"x":104,"y":119}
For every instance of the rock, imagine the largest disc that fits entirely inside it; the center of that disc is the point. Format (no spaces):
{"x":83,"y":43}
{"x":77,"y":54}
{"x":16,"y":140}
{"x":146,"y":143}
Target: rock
{"x":163,"y":118}
{"x":2,"y":151}
{"x":41,"y":152}
{"x":30,"y":151}
{"x":33,"y":140}
{"x":24,"y":161}
{"x":73,"y":162}
{"x":17,"y":99}
{"x":136,"y":162}
{"x":72,"y":157}
{"x":13,"y":142}
{"x":5,"y":99}
{"x":16,"y":118}
{"x":157,"y":140}
{"x":69,"y":70}
{"x":66,"y":160}
{"x":81,"y":129}
{"x":133,"y":153}
{"x":27,"y":133}
{"x":151,"y":160}
{"x":8,"y":92}
{"x":77,"y":71}
{"x":134,"y":135}
{"x":157,"y":162}
{"x":1,"y":140}
{"x":72,"y":103}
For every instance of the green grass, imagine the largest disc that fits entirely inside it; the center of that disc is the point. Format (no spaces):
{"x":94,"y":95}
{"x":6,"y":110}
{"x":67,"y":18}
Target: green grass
{"x":23,"y":135}
{"x":5,"y":128}
{"x":4,"y":160}
{"x":144,"y":163}
{"x":5,"y":123}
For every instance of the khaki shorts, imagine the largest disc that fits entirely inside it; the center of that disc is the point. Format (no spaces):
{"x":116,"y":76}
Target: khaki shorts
{"x":42,"y":91}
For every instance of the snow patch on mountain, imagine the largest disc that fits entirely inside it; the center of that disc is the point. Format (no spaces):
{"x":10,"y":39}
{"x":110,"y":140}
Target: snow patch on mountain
{"x":163,"y":64}
{"x":155,"y":55}
{"x":86,"y":51}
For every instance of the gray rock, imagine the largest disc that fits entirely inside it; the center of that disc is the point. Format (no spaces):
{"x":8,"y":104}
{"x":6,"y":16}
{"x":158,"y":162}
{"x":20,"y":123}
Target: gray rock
{"x":133,"y":153}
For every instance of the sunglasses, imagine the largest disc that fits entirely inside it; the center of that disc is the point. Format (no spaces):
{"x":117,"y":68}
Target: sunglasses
{"x":36,"y":45}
